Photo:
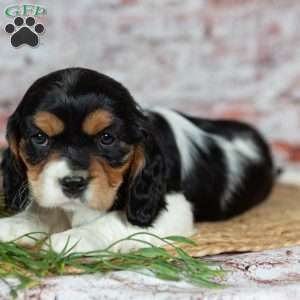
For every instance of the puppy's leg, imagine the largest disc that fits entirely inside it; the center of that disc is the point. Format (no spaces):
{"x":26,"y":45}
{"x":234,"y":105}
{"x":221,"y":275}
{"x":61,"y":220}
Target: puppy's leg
{"x":33,"y":220}
{"x":25,"y":222}
{"x":177,"y":219}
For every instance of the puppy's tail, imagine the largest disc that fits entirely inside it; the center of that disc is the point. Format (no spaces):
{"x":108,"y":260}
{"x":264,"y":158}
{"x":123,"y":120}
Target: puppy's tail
{"x":288,"y":176}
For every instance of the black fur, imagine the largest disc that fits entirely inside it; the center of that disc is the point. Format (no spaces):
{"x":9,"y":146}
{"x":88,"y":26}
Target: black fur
{"x":14,"y":182}
{"x":73,"y":93}
{"x":257,"y":179}
{"x":145,"y":195}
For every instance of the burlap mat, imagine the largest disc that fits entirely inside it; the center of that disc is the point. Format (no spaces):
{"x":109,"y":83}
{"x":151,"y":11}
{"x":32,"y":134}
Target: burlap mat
{"x":273,"y":224}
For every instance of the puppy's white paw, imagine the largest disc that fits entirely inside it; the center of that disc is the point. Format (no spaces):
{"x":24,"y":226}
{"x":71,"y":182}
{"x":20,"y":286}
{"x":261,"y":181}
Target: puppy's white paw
{"x":13,"y":228}
{"x":74,"y":240}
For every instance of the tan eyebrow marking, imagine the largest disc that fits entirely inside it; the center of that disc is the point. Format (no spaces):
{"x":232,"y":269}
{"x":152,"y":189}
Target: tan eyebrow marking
{"x":48,"y":123}
{"x":96,"y":121}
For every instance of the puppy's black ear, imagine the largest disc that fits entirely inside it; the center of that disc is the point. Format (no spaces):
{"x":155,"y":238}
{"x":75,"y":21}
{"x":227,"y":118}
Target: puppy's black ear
{"x":14,"y":175}
{"x":146,"y":187}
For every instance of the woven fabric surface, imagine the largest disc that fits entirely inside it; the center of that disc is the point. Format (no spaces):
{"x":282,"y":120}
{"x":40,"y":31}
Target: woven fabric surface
{"x":273,"y":224}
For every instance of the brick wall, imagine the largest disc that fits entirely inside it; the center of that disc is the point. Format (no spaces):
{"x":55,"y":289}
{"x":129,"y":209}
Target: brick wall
{"x":218,"y":58}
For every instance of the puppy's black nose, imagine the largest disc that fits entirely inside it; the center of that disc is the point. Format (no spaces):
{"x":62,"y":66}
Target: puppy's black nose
{"x":73,"y":186}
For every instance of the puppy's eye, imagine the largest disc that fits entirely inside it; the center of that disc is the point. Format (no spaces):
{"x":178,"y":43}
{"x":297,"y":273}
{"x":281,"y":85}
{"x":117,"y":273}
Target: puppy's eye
{"x":40,"y":139}
{"x":106,"y":139}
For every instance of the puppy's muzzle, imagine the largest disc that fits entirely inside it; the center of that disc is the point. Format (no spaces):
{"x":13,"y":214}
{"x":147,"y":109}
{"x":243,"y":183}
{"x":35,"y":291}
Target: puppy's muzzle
{"x":73,"y":186}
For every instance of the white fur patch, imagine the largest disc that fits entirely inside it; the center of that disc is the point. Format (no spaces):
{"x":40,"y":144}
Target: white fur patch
{"x":247,"y":148}
{"x":237,"y":153}
{"x":21,"y":224}
{"x":234,"y":163}
{"x":177,"y":219}
{"x":187,"y":136}
{"x":47,"y":191}
{"x":80,"y":214}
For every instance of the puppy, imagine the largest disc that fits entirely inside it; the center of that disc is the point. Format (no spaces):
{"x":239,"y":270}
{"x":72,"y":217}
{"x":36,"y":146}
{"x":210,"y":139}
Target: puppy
{"x":91,"y":166}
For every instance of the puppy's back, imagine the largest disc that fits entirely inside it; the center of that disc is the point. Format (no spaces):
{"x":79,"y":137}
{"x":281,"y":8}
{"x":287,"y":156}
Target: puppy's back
{"x":225,"y":167}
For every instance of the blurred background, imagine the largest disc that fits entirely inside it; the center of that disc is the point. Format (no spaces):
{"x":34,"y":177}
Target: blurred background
{"x":235,"y":59}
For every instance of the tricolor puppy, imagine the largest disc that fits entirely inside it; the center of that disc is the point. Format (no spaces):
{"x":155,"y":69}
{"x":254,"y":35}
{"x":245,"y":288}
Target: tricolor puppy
{"x":90,"y":165}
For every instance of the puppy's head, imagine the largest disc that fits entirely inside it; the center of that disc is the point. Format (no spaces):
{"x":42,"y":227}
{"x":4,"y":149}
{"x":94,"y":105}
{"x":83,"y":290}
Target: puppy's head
{"x":76,"y":137}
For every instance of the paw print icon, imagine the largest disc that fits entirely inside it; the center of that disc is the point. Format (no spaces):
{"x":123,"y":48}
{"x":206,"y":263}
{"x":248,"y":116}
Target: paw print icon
{"x":24,"y":32}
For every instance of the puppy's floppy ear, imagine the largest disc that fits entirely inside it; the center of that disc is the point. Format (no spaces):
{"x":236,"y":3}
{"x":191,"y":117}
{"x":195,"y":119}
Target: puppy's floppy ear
{"x":146,"y":186}
{"x":15,"y":183}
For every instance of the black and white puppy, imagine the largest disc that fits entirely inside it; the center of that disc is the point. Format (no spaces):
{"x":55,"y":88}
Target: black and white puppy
{"x":90,"y":165}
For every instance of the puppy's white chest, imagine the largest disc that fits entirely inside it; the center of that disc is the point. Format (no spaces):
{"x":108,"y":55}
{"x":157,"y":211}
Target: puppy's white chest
{"x":79,"y":214}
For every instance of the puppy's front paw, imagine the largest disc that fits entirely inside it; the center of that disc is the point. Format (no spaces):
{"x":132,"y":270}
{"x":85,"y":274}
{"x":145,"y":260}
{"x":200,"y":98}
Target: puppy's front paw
{"x":74,"y":240}
{"x":13,"y":228}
